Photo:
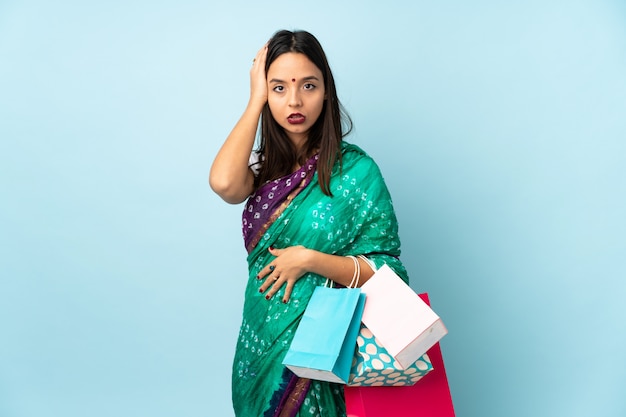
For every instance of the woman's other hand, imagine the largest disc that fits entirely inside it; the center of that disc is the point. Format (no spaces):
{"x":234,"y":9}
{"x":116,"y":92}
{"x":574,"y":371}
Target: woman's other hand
{"x":293,"y":262}
{"x":286,"y":268}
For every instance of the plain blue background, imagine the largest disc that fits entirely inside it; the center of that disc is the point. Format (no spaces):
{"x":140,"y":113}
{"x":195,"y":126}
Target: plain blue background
{"x":500,"y":129}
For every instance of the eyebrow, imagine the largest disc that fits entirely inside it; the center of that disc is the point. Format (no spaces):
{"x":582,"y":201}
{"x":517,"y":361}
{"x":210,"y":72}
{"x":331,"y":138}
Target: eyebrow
{"x":309,"y":78}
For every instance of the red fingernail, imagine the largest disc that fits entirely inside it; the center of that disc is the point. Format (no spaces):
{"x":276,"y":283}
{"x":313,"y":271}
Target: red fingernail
{"x":267,"y":297}
{"x":261,"y":290}
{"x":258,"y":277}
{"x":271,"y":247}
{"x":284,"y":301}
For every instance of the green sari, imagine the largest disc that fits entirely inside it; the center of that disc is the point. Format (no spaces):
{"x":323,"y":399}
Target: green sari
{"x":358,"y":219}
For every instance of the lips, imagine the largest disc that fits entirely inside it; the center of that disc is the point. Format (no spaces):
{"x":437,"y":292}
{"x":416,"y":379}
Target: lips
{"x":296,"y":118}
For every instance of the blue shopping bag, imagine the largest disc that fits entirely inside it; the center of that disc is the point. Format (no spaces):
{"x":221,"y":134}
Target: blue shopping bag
{"x":323,"y":345}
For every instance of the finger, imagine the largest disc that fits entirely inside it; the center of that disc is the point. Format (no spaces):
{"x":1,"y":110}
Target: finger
{"x":265,"y":271}
{"x":259,"y":58}
{"x":262,"y":54}
{"x":274,"y":282}
{"x":270,"y":276}
{"x":274,"y":251}
{"x":288,"y":290}
{"x":264,"y":286}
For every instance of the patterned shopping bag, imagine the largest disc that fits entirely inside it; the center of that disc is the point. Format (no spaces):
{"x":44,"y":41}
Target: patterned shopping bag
{"x":374,"y":366}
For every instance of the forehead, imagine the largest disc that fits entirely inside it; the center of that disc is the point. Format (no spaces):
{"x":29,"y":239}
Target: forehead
{"x":293,"y":65}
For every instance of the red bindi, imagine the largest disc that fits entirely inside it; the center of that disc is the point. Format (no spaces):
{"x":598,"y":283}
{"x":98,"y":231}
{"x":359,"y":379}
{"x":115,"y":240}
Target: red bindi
{"x":293,"y":80}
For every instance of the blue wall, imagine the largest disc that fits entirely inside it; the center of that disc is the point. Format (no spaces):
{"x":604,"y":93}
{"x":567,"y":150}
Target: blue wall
{"x":500,"y":130}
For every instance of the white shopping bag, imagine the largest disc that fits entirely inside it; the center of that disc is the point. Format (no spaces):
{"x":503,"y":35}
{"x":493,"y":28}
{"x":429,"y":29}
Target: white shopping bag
{"x":403,"y":323}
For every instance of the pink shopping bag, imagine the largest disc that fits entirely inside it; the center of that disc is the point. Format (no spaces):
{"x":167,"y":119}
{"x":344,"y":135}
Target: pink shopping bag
{"x":429,"y":397}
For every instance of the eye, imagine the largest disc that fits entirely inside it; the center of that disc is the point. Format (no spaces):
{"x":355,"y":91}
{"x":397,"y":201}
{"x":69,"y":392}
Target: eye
{"x":309,"y":86}
{"x":279,"y":89}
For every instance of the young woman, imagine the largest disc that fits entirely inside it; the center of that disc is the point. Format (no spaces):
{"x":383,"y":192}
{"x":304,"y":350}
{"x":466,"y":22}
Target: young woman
{"x":313,"y":203}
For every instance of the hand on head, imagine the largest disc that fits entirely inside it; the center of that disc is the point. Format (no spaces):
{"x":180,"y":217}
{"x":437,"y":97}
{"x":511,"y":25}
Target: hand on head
{"x":258,"y":82}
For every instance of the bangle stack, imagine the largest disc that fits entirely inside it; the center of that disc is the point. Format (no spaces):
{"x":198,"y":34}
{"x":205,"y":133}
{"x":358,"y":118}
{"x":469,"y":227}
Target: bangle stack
{"x":357,"y":272}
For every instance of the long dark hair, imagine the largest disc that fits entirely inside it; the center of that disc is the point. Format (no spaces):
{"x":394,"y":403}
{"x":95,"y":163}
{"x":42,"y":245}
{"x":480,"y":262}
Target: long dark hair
{"x":279,"y":153}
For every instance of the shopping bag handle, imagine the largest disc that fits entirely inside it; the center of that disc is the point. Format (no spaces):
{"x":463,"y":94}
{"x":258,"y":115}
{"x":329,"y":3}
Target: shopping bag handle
{"x":369,"y":262}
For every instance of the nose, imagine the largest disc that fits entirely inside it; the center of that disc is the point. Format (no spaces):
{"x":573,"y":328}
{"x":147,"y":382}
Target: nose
{"x":294,"y":98}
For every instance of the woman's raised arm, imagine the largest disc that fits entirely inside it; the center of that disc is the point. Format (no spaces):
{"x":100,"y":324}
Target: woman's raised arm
{"x":230,"y":177}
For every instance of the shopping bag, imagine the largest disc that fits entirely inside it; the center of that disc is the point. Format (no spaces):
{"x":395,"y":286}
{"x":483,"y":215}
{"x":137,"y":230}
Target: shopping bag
{"x":323,"y":344}
{"x":373,"y":365}
{"x":429,"y":397}
{"x":405,"y":325}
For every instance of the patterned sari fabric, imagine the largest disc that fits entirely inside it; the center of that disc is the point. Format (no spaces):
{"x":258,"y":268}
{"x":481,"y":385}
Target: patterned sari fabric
{"x":358,"y":219}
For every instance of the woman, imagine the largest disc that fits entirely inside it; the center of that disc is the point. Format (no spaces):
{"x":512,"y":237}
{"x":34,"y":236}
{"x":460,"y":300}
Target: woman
{"x":312,"y":201}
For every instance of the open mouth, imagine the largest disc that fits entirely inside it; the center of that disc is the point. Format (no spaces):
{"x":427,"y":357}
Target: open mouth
{"x":296,"y":118}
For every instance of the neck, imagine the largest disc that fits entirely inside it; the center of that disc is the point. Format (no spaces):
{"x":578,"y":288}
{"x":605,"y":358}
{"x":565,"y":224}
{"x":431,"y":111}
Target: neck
{"x":298,"y":140}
